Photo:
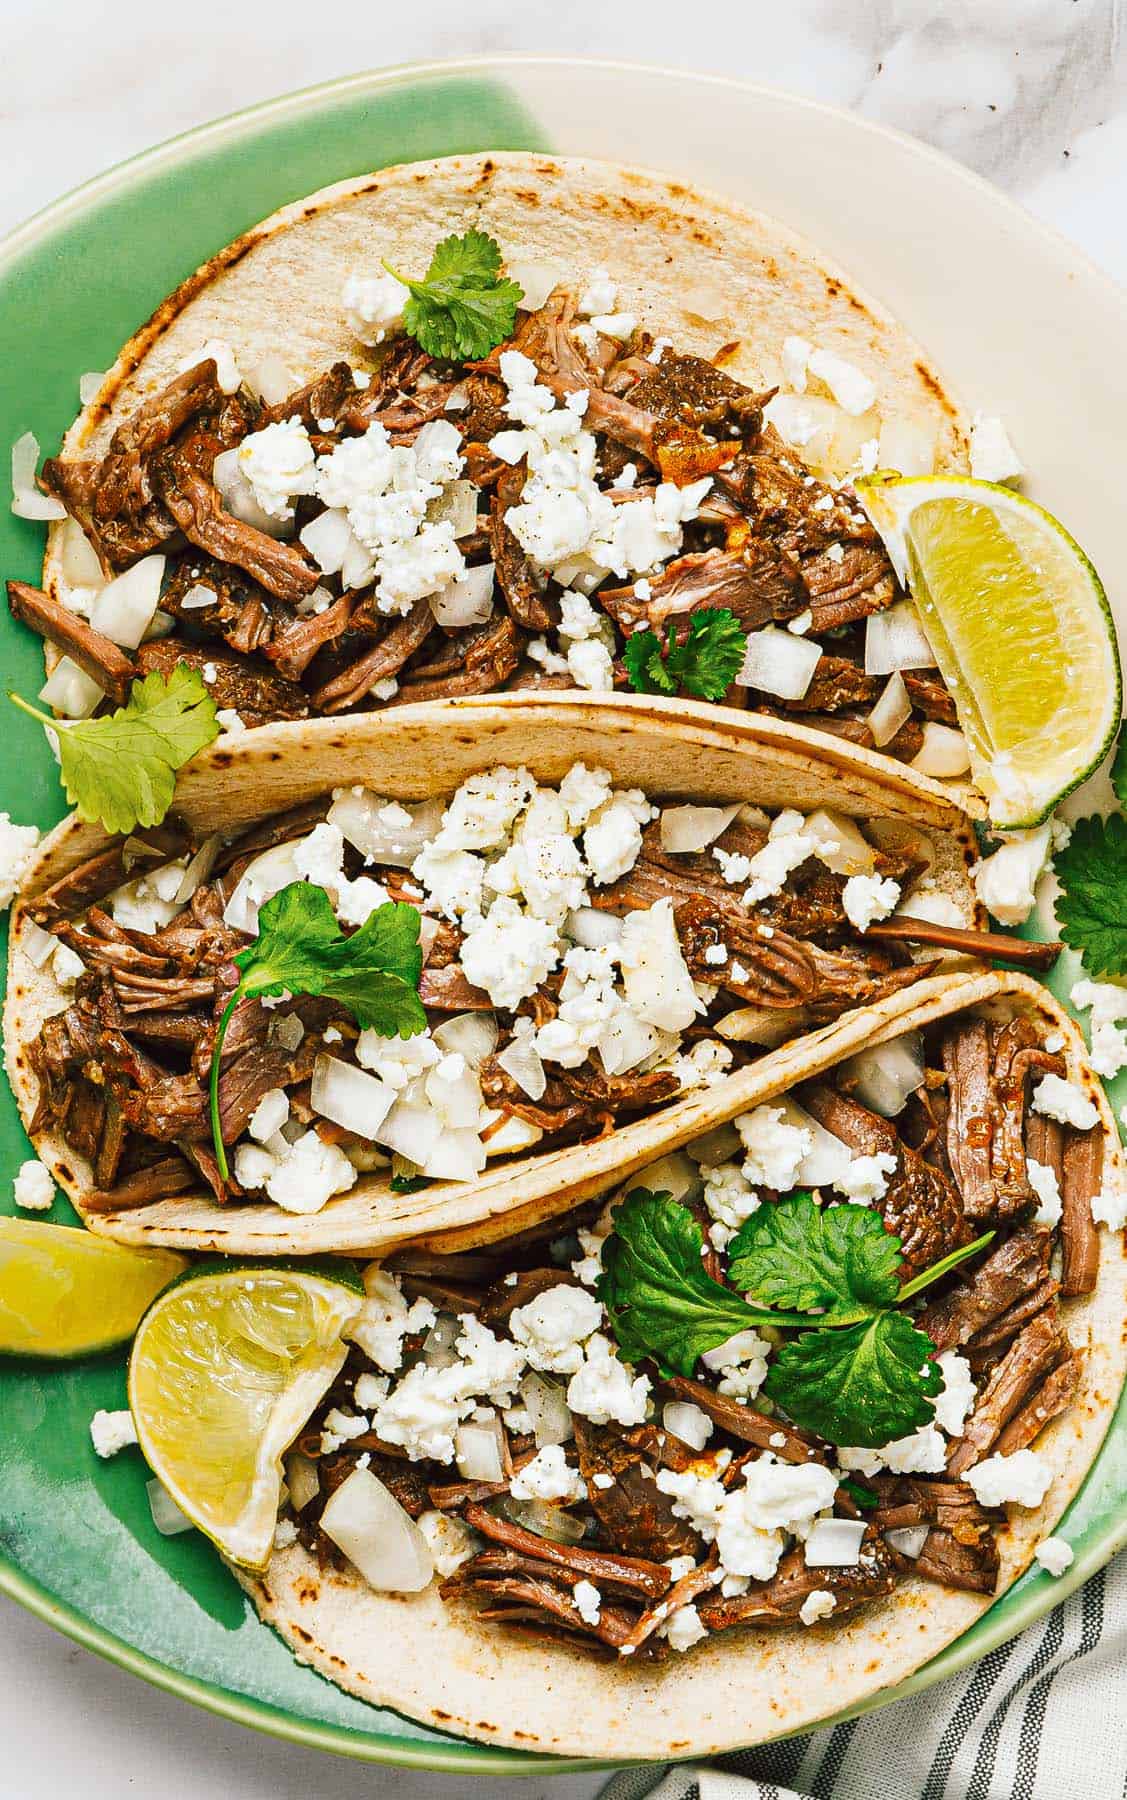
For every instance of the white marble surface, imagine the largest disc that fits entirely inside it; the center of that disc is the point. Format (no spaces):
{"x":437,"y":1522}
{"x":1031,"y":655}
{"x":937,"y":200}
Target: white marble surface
{"x":1031,"y":93}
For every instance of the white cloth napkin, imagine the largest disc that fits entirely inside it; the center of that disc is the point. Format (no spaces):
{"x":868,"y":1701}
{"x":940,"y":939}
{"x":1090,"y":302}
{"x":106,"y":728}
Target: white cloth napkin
{"x":1043,"y":1717}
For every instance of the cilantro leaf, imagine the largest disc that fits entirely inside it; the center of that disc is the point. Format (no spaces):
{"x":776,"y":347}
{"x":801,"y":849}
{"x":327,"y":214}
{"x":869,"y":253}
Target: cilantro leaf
{"x":661,"y":1302}
{"x":300,"y":949}
{"x":706,"y":663}
{"x":463,"y":307}
{"x":120,"y":769}
{"x":1092,"y":870}
{"x":838,"y":1261}
{"x":863,"y":1384}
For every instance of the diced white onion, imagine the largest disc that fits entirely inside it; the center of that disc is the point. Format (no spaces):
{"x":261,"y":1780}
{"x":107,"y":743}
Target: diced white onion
{"x":458,"y":399}
{"x":834,"y":1543}
{"x":357,"y":569}
{"x":238,"y":499}
{"x":827,"y":1157}
{"x":271,"y":380}
{"x":687,"y":1422}
{"x":839,"y":843}
{"x":512,"y":1135}
{"x":908,"y":1539}
{"x":70,"y":691}
{"x":89,"y":384}
{"x":592,"y":929}
{"x":547,"y":1405}
{"x":167,"y":1516}
{"x":778,"y":662}
{"x":199,"y":868}
{"x":328,"y":539}
{"x":521,"y":1060}
{"x":765,"y":1025}
{"x":943,"y":752}
{"x":885,"y":1077}
{"x":627,"y":1041}
{"x":37,"y":944}
{"x":895,"y":639}
{"x":379,"y":1539}
{"x":438,"y":1346}
{"x":392,"y":842}
{"x":545,"y":1520}
{"x":535,"y":278}
{"x":197,"y":597}
{"x":412,"y":1131}
{"x":893,"y":709}
{"x":676,"y":1174}
{"x":302,"y":1479}
{"x":713,"y":1147}
{"x":477,"y":1450}
{"x":456,"y":505}
{"x":459,"y":1155}
{"x":472,"y":1035}
{"x":27,"y":501}
{"x":688,"y":828}
{"x":124,"y":609}
{"x":78,"y":559}
{"x":263,"y":876}
{"x":466,"y":601}
{"x":349,"y":1096}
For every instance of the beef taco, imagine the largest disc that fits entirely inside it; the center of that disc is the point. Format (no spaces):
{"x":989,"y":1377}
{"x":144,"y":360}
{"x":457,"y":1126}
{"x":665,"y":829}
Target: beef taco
{"x":400,"y":976}
{"x":323,"y":516}
{"x":590,"y":1483}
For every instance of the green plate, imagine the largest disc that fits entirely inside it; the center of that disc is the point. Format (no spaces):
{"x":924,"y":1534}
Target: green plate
{"x":77,"y":1545}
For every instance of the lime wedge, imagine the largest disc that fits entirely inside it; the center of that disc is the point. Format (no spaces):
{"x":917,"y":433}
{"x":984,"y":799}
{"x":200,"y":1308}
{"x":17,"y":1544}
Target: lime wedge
{"x":226,"y":1368}
{"x":1021,"y":630}
{"x":64,"y":1293}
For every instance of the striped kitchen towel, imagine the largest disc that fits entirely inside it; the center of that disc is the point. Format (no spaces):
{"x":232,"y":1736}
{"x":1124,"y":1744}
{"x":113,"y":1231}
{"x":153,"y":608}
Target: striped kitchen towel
{"x":1043,"y":1717}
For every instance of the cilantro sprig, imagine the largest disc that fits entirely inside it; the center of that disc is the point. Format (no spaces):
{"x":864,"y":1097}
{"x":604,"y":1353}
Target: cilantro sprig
{"x":1092,"y":871}
{"x":121,"y":769}
{"x":300,"y":949}
{"x":706,"y":663}
{"x":464,"y":306}
{"x":859,"y":1372}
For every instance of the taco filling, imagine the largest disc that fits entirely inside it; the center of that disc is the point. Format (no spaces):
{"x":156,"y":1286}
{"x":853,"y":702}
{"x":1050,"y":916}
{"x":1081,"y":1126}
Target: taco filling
{"x":583,"y":507}
{"x":416,"y":988}
{"x":771,"y":1380}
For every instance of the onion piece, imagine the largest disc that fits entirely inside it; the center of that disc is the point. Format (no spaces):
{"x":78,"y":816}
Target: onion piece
{"x":197,"y":597}
{"x":78,"y":560}
{"x":544,"y":1519}
{"x":70,"y":691}
{"x":456,"y":505}
{"x":394,"y":840}
{"x":885,"y":1077}
{"x":379,"y":1539}
{"x":546,"y":1401}
{"x":521,"y":1060}
{"x":27,"y":501}
{"x":536,"y":279}
{"x":626,"y":1041}
{"x":124,"y":609}
{"x":199,"y":868}
{"x":302,"y":1479}
{"x":468,"y":600}
{"x":839,"y":843}
{"x":895,"y":639}
{"x":37,"y":944}
{"x":166,"y":1515}
{"x":238,"y":498}
{"x":834,"y":1543}
{"x":827,"y":1157}
{"x":943,"y":752}
{"x":350,"y":1097}
{"x":778,"y":662}
{"x":438,"y":1346}
{"x":685,"y":829}
{"x":688,"y":1422}
{"x":328,"y":539}
{"x":675,"y":1174}
{"x":909,"y":1540}
{"x":507,"y":1133}
{"x":459,"y":1155}
{"x":472,"y":1035}
{"x":271,"y":379}
{"x":411,"y":1130}
{"x":589,"y":927}
{"x":478,"y":1450}
{"x":766,"y":1025}
{"x":893,"y":709}
{"x":263,"y":877}
{"x":713,"y":1147}
{"x":357,"y":569}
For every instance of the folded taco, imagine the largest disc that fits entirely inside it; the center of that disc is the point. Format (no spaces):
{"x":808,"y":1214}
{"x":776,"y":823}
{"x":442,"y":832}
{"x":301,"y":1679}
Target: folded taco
{"x":752,"y":1436}
{"x":634,"y":479}
{"x":452,"y":964}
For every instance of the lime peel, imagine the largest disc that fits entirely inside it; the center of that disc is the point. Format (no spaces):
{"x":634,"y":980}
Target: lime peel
{"x":65,"y":1293}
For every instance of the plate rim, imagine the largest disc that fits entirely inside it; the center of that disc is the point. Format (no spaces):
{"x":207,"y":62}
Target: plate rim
{"x":260,"y":1714}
